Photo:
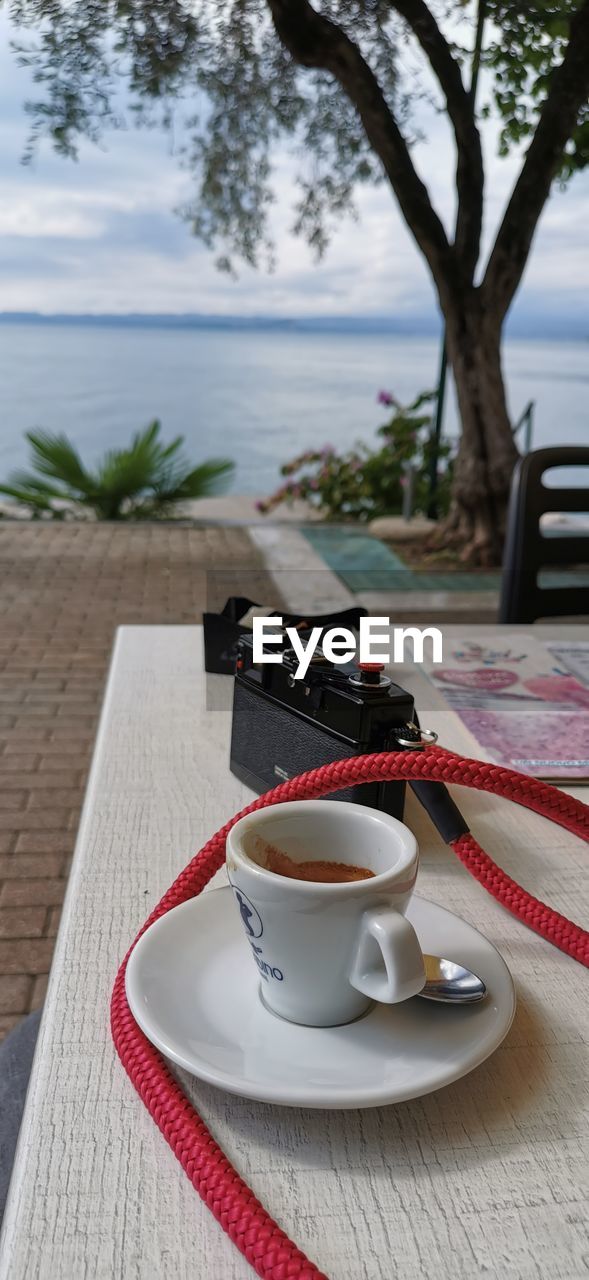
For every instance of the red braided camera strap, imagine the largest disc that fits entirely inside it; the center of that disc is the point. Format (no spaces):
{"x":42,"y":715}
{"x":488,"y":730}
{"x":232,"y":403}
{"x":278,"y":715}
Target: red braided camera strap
{"x":269,"y":1250}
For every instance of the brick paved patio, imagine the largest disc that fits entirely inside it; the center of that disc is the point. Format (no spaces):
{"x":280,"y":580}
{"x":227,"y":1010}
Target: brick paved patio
{"x":63,"y":591}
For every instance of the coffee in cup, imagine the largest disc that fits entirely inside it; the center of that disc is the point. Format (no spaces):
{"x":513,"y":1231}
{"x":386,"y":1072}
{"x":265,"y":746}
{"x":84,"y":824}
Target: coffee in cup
{"x":318,"y":870}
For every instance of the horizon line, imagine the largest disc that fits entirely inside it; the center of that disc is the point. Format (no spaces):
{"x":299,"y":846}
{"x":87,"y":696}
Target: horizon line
{"x":418,"y":324}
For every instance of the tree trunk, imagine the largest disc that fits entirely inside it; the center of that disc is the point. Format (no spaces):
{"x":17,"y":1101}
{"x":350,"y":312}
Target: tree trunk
{"x":487,"y":452}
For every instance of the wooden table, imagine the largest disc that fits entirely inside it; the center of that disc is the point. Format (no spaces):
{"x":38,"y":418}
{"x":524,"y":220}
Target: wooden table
{"x":484,"y":1178}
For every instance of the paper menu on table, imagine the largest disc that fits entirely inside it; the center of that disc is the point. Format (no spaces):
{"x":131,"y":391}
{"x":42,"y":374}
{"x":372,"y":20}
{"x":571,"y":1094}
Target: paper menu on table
{"x":574,"y":657}
{"x":525,"y":703}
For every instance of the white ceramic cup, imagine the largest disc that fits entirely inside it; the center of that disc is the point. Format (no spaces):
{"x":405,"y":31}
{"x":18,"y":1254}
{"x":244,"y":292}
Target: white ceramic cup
{"x":326,"y":951}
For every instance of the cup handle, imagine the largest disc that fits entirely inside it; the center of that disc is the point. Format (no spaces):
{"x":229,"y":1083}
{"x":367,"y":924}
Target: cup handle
{"x":388,"y":962}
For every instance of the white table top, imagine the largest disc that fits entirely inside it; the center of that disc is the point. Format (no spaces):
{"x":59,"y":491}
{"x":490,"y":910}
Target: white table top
{"x":486,"y":1177}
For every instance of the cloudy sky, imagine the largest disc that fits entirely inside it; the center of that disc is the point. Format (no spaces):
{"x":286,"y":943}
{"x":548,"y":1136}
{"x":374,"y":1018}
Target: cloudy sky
{"x":102,"y":236}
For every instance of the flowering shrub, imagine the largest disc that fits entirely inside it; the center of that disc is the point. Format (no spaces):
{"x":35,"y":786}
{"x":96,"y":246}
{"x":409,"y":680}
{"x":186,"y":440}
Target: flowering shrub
{"x":365,"y":482}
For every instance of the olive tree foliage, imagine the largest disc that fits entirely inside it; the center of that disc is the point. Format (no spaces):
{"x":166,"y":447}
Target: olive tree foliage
{"x":220,"y":74}
{"x":337,"y":82}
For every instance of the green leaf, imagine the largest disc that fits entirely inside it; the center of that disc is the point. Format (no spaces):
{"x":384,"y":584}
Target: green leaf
{"x":26,"y":496}
{"x":53,"y":455}
{"x":200,"y":482}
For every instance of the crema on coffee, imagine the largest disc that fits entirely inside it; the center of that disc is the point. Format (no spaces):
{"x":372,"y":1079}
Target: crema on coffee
{"x":319,"y":870}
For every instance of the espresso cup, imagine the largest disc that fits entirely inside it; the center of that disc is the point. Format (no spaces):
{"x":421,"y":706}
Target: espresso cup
{"x":326,"y":951}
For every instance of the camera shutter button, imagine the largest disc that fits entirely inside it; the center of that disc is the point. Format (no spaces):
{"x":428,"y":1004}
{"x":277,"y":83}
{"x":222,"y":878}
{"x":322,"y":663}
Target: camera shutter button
{"x":368,"y":675}
{"x":371,"y":672}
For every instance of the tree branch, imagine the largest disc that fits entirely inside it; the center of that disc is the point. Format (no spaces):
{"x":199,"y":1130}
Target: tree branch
{"x":315,"y":41}
{"x":469,"y":168}
{"x":568,"y":92}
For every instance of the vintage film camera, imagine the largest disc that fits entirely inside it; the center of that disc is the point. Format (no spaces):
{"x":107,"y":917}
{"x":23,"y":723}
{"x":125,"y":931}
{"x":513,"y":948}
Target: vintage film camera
{"x":282,"y":726}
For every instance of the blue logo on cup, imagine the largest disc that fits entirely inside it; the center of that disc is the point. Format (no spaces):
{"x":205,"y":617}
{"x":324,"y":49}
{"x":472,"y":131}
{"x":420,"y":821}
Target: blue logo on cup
{"x":254,"y":928}
{"x":251,"y":919}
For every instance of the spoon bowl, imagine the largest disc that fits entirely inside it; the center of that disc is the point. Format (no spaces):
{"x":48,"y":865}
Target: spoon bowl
{"x":450,"y":983}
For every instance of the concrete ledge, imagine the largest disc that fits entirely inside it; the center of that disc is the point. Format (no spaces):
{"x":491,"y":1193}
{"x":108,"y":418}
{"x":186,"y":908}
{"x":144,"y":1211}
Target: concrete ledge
{"x":236,"y":508}
{"x":396,"y":529}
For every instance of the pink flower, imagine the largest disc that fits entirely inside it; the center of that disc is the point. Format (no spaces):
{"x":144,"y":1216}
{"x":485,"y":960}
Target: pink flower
{"x":385,"y":397}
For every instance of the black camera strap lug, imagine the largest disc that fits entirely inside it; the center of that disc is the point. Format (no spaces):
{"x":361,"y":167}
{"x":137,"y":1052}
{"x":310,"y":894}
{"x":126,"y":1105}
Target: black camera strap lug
{"x":433,"y":796}
{"x":411,"y":738}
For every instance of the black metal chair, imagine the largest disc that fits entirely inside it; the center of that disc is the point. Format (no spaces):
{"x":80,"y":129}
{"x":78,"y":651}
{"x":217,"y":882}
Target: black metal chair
{"x":530,"y":550}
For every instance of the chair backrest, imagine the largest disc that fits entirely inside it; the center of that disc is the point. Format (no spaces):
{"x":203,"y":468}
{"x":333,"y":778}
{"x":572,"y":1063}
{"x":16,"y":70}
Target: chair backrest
{"x":529,"y":549}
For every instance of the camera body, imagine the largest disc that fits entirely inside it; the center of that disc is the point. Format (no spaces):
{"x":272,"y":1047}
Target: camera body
{"x":283,"y":727}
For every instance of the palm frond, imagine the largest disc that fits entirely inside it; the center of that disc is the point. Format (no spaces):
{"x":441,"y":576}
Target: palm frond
{"x":210,"y":477}
{"x":54,"y":456}
{"x":142,"y":481}
{"x":27,"y":497}
{"x":126,"y":472}
{"x":168,"y":450}
{"x":26,"y":482}
{"x":148,"y":436}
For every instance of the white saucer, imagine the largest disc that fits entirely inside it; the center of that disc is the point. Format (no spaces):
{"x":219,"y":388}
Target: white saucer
{"x":193,"y":989}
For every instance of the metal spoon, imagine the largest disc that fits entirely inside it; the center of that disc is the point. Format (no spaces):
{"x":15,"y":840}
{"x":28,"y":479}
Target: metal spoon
{"x":451,"y":983}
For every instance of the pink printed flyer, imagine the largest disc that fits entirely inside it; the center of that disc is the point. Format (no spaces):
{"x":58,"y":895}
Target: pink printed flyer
{"x":526,"y":704}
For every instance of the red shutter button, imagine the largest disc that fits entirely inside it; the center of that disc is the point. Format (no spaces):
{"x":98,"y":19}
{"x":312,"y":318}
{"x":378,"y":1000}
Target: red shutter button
{"x":371,"y":672}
